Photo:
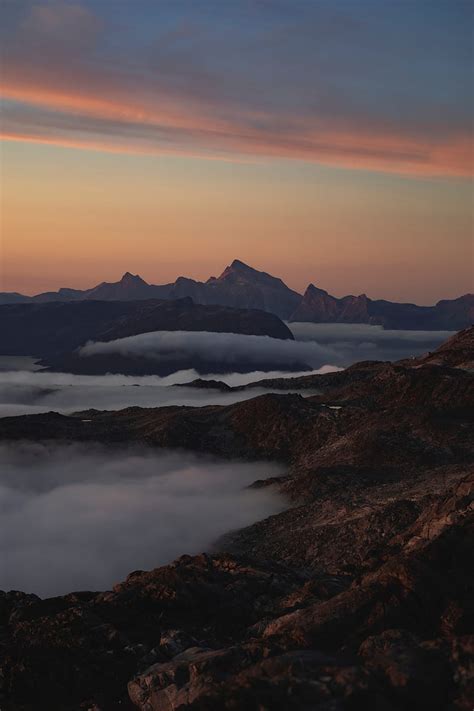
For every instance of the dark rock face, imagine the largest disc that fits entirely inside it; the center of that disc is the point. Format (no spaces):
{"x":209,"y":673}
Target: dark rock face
{"x":53,"y":329}
{"x":317,"y":306}
{"x":359,"y":596}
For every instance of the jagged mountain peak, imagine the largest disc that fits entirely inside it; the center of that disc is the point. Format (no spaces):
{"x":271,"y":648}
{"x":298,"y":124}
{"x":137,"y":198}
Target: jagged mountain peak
{"x":312,"y":289}
{"x":238,"y":264}
{"x":129,"y":278}
{"x":239,"y":269}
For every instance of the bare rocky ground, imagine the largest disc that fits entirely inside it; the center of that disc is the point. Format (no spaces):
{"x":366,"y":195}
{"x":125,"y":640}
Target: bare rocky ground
{"x":359,"y":596}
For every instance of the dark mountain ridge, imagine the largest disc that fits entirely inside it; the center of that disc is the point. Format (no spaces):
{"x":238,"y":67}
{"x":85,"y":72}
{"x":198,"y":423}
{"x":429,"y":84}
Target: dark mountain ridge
{"x":241,"y":286}
{"x":54,"y":332}
{"x":317,"y":306}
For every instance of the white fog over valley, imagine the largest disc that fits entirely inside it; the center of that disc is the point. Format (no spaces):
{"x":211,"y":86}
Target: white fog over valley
{"x":76,"y":516}
{"x":29,"y":393}
{"x":325,"y":347}
{"x":315,"y":345}
{"x":84,"y":516}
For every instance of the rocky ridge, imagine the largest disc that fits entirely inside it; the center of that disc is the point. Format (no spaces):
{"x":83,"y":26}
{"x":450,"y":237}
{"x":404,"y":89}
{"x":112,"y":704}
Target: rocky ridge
{"x":54,"y":331}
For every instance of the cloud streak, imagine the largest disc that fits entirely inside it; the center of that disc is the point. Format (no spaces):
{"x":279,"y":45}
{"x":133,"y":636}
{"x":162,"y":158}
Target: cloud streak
{"x":71,"y":78}
{"x":76,"y":517}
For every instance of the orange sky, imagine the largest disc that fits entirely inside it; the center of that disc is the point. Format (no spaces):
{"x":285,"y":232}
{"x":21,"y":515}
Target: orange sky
{"x":325,"y":142}
{"x":75,"y":218}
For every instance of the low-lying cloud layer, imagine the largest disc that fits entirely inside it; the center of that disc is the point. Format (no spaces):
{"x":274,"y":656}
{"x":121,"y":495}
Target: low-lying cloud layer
{"x":351,"y":343}
{"x":29,"y":392}
{"x":316,"y":345}
{"x":26,"y":392}
{"x":83,"y":517}
{"x":226,"y":349}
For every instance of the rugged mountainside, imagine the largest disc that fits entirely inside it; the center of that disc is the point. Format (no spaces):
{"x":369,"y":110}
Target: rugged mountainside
{"x":317,"y":306}
{"x":358,"y":596}
{"x":241,"y":286}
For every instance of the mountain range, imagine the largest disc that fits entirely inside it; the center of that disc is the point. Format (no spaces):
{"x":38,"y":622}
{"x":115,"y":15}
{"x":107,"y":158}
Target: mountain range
{"x":241,"y":286}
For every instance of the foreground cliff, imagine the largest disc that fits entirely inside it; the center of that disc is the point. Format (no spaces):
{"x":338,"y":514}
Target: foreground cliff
{"x":359,"y":596}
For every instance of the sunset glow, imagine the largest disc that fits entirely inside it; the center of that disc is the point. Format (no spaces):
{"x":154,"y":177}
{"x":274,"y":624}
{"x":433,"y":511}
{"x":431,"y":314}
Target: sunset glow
{"x":325,"y":142}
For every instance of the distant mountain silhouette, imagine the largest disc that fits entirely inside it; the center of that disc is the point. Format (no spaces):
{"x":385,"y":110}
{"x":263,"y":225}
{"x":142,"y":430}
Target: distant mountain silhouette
{"x":131,"y":287}
{"x":241,"y":286}
{"x":317,"y":306}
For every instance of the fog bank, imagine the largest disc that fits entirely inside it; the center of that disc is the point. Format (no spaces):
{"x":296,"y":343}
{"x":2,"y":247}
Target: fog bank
{"x":26,"y":392}
{"x":77,"y":517}
{"x":316,"y":345}
{"x":351,"y":343}
{"x":226,"y":349}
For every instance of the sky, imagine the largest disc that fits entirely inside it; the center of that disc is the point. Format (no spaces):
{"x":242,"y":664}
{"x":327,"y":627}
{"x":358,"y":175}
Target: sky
{"x":324,"y":141}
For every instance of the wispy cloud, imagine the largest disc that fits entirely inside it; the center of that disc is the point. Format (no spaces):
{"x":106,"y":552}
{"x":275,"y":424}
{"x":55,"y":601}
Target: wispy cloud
{"x":73,"y":77}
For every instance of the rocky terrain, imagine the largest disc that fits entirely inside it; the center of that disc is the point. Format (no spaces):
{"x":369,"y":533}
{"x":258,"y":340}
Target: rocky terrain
{"x":241,"y":286}
{"x":358,"y":596}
